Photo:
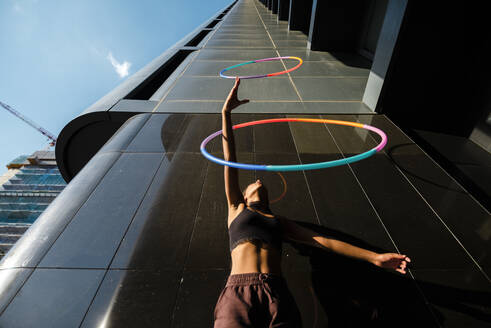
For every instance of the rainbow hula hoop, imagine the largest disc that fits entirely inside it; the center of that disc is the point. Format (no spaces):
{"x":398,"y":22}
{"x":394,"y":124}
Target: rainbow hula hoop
{"x":302,"y":167}
{"x":260,"y":61}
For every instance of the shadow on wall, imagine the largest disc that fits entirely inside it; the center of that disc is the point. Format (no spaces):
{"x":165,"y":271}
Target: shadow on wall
{"x":403,"y":150}
{"x":352,"y":59}
{"x":357,"y":294}
{"x":465,"y":161}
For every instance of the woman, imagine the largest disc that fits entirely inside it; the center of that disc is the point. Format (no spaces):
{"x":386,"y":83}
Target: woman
{"x":256,"y":295}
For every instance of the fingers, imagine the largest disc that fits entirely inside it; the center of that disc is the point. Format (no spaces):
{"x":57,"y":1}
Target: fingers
{"x":405,"y":258}
{"x":244,"y":101}
{"x":233,"y":92}
{"x":397,"y":262}
{"x":403,"y":264}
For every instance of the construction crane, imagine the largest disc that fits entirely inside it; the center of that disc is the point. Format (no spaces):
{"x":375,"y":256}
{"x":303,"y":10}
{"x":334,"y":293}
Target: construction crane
{"x":45,"y":132}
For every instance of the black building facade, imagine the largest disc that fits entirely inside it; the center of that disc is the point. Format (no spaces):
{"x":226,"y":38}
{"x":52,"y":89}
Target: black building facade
{"x":139,"y":238}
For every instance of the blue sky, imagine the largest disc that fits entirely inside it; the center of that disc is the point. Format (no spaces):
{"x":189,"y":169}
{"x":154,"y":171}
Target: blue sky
{"x":59,"y":57}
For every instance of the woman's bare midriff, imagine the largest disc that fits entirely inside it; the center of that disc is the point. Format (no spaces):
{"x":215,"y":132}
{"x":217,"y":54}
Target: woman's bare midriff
{"x":255,"y":256}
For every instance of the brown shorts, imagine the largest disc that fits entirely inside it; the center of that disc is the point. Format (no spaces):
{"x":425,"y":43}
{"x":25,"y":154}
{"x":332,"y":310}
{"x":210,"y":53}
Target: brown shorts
{"x":256,"y":300}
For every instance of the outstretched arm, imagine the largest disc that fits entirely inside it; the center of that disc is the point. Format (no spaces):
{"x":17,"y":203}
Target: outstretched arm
{"x":297,"y":233}
{"x":231,"y":177}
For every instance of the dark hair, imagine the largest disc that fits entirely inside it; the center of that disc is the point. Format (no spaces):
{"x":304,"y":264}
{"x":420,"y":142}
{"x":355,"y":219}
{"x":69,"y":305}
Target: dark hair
{"x":263,"y":195}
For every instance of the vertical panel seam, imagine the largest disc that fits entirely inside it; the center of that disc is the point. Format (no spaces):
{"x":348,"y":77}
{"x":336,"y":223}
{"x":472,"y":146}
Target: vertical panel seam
{"x":278,"y":54}
{"x":136,"y":133}
{"x":435,"y":213}
{"x":174,"y":83}
{"x":385,"y":228}
{"x":181,"y":274}
{"x":42,"y":257}
{"x":304,"y":175}
{"x":289,"y":127}
{"x":436,"y":163}
{"x":120,"y":242}
{"x":362,"y":189}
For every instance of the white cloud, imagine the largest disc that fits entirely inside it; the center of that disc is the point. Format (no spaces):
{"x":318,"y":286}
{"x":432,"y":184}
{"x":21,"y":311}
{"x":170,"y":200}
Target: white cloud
{"x":121,"y":69}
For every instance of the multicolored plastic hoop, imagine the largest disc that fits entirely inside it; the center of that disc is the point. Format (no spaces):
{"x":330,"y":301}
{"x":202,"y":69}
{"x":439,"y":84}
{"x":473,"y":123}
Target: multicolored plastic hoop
{"x":300,"y":61}
{"x":302,"y":167}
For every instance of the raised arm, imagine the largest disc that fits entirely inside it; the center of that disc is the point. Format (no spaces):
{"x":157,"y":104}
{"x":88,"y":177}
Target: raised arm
{"x":297,"y":233}
{"x":231,"y":177}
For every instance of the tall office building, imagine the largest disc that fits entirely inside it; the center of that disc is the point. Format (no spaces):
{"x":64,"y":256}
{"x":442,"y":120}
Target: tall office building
{"x":139,"y":235}
{"x":26,"y":189}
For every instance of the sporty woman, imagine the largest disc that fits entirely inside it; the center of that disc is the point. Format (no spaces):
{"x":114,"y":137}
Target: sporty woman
{"x":256,"y":294}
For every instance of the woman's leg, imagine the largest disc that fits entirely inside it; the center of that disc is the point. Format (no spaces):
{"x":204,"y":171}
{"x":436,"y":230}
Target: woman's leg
{"x":283,"y":309}
{"x":242,"y":303}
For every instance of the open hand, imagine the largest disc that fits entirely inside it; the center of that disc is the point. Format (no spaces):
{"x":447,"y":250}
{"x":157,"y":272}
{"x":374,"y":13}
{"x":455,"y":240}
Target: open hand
{"x":232,"y":100}
{"x":393,"y":261}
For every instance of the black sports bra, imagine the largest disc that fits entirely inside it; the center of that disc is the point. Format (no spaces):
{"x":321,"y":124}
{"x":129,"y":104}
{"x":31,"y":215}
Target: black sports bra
{"x":250,"y":225}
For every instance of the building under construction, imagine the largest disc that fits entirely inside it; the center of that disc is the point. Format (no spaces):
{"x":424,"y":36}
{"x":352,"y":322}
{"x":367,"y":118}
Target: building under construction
{"x":26,"y":189}
{"x":138,"y":238}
